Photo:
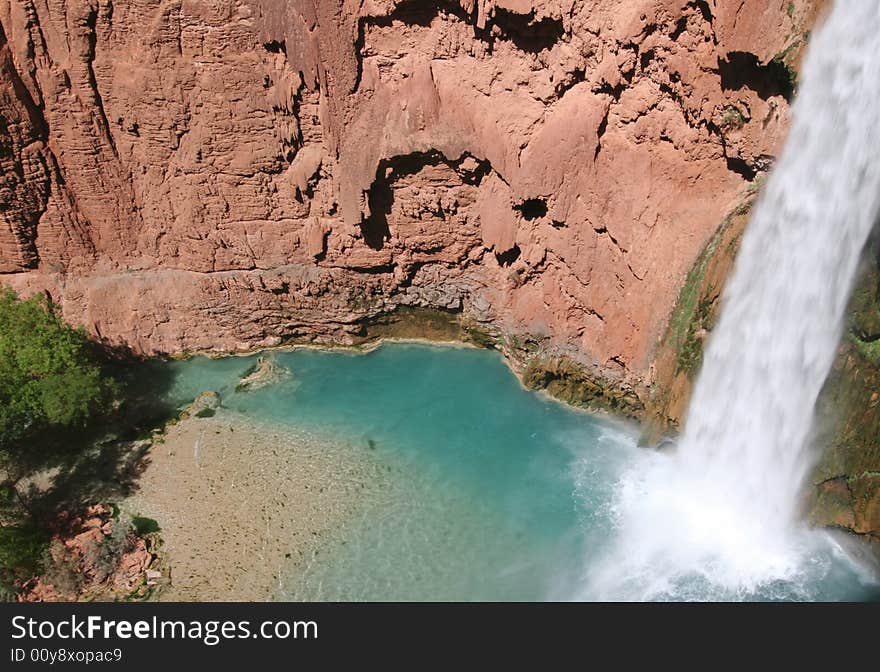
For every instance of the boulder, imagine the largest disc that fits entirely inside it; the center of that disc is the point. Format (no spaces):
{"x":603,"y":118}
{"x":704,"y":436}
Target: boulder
{"x":266,"y":372}
{"x":204,"y":406}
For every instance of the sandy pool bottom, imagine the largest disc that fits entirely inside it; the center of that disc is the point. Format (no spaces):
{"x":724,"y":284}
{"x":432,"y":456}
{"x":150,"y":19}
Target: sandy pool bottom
{"x":242,"y":505}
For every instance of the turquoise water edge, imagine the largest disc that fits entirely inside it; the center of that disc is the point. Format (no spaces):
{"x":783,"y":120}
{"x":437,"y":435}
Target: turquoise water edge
{"x":494,"y":492}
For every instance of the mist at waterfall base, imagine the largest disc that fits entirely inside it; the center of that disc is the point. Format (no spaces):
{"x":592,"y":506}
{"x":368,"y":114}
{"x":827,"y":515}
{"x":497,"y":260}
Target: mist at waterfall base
{"x":488,"y":491}
{"x":721,"y":517}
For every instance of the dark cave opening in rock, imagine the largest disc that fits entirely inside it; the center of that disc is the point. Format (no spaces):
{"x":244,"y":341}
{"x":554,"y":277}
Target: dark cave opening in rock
{"x":375,"y":229}
{"x":680,"y":27}
{"x":522,"y":30}
{"x":420,"y":13}
{"x":743,"y":70}
{"x":532,"y":208}
{"x":704,"y":9}
{"x":508,"y":257}
{"x":526,"y":33}
{"x":275,"y":47}
{"x":738,"y":165}
{"x":470,"y":175}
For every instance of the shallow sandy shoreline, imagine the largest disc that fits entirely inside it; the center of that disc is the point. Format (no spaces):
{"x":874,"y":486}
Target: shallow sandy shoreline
{"x":242,"y":505}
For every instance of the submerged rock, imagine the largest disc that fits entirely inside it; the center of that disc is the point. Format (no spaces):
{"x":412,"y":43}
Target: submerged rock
{"x":204,"y":406}
{"x":266,"y":372}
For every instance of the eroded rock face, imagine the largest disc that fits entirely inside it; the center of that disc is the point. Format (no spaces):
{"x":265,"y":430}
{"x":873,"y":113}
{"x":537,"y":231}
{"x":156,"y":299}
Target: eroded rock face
{"x":223,"y":174}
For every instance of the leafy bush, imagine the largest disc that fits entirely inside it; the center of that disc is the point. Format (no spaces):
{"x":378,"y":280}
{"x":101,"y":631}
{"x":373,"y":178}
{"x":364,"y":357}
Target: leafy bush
{"x":143,"y":525}
{"x":733,"y":117}
{"x":48,"y":376}
{"x":50,"y":382}
{"x":22,"y":549}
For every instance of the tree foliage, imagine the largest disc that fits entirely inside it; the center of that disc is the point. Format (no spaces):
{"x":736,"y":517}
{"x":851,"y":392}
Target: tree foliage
{"x":48,"y":376}
{"x":50,"y":384}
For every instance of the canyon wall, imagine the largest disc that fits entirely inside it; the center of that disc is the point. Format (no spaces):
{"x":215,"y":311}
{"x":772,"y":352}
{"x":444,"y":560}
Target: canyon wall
{"x":216,"y":175}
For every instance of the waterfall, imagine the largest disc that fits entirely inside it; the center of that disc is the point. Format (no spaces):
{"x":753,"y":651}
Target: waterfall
{"x":721,"y":517}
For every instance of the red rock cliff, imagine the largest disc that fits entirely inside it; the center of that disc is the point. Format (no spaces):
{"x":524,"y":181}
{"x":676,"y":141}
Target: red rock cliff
{"x":219,"y":174}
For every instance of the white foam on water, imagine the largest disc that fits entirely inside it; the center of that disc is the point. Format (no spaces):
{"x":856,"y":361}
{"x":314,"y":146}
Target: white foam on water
{"x":720,"y":518}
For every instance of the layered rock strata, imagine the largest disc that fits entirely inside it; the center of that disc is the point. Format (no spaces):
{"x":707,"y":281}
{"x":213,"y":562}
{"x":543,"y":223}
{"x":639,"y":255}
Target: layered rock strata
{"x":217,"y":175}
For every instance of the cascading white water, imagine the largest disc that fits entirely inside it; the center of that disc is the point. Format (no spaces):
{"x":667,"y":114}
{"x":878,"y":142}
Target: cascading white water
{"x":720,"y":517}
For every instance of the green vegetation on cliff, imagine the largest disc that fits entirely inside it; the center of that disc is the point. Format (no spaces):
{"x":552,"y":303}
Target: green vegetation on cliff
{"x":49,"y":378}
{"x":847,"y":478}
{"x":848,"y":475}
{"x":696,"y":310}
{"x":50,"y":383}
{"x":680,"y":354}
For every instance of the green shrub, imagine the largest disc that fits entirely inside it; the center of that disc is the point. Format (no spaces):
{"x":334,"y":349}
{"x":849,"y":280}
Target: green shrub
{"x":48,"y":376}
{"x":50,"y":383}
{"x":143,"y":525}
{"x":22,"y":549}
{"x":733,"y":117}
